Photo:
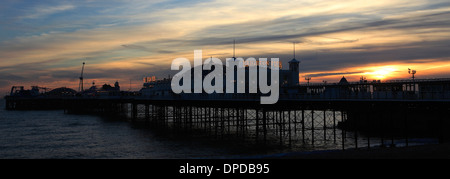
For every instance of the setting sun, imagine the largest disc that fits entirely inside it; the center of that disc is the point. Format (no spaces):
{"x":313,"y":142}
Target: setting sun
{"x":383,"y":72}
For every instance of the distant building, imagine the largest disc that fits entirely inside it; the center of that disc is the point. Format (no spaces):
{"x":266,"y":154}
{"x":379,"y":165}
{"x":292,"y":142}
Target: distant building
{"x":287,"y":78}
{"x":105,"y":90}
{"x":155,"y":87}
{"x":292,"y":73}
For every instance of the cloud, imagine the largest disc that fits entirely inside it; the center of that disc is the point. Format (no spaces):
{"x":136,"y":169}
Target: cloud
{"x":166,"y":51}
{"x":138,"y":47}
{"x":416,"y":52}
{"x":331,"y":74}
{"x":7,"y":76}
{"x":43,"y":11}
{"x":247,"y":35}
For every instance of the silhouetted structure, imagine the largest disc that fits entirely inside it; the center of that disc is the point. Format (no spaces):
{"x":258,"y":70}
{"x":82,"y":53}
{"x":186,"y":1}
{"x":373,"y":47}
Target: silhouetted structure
{"x":80,"y":85}
{"x":343,"y":81}
{"x":338,"y":113}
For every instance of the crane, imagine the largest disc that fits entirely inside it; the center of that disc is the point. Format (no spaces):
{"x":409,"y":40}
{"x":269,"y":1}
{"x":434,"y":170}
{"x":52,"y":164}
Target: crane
{"x":80,"y":86}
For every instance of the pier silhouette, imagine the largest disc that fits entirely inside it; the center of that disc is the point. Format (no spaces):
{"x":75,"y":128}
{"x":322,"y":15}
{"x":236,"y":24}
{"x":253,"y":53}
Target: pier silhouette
{"x":314,"y":114}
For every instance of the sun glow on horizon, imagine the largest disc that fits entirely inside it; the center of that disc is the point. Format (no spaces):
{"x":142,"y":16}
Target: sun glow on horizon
{"x":382,"y":72}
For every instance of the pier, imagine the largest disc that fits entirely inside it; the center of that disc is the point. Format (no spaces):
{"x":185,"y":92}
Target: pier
{"x":334,"y":114}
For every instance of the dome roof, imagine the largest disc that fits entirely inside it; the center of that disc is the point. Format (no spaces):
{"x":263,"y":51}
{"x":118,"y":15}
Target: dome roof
{"x":343,"y":81}
{"x":62,"y":91}
{"x":294,"y":61}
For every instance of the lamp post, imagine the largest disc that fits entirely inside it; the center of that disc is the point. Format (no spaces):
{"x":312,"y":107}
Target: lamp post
{"x":307,"y":79}
{"x":413,"y":72}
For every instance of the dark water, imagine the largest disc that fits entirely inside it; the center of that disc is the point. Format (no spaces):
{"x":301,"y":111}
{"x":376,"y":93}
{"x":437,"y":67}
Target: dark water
{"x":53,"y":134}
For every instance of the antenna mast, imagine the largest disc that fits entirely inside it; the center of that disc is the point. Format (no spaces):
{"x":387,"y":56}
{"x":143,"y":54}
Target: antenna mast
{"x":294,"y":49}
{"x":234,"y":47}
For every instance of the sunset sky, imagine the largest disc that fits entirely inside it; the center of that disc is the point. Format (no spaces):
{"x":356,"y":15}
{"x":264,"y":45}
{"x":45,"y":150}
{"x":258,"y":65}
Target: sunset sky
{"x":45,"y":42}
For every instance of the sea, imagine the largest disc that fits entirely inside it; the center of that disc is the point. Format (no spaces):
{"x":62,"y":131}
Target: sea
{"x":53,"y":134}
